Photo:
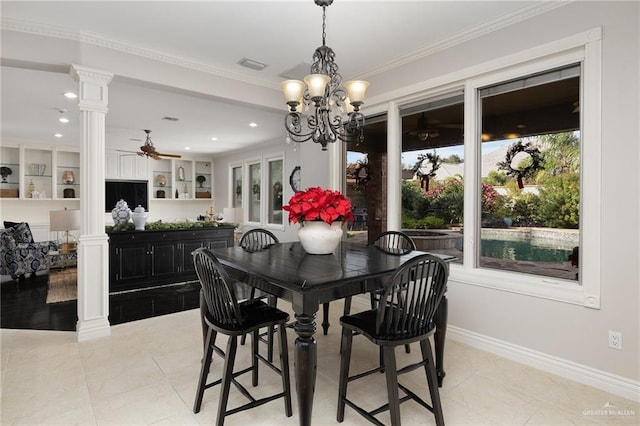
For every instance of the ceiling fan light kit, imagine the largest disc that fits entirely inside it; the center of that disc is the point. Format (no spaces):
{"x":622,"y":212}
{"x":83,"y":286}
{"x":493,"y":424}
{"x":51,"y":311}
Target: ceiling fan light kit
{"x":334,"y":111}
{"x":149,"y":151}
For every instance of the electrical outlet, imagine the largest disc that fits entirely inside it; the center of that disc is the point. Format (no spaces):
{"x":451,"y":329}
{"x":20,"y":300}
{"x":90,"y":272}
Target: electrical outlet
{"x":615,"y":340}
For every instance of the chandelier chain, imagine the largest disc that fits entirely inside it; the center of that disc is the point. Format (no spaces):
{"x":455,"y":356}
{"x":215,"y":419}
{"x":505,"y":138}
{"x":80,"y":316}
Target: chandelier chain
{"x":324,"y":25}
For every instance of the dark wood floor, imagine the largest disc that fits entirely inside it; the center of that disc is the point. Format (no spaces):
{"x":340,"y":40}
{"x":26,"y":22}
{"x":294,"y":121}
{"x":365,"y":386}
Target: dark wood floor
{"x":23,"y":305}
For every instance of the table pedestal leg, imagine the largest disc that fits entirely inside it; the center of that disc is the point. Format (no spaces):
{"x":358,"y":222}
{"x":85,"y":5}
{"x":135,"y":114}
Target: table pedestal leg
{"x":441,"y":331}
{"x":306,"y":358}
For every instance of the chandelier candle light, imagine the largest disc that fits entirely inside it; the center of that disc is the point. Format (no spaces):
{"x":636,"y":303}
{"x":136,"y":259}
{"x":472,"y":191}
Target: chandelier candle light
{"x":335,"y":112}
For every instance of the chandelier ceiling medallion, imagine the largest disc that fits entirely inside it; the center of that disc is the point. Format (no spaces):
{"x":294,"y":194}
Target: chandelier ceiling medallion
{"x":320,"y":109}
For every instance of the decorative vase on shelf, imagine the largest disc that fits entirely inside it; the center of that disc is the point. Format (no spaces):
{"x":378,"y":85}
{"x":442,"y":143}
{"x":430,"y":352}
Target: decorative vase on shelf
{"x":318,"y":237}
{"x":121,"y":213}
{"x":139,"y":217}
{"x":68,"y":177}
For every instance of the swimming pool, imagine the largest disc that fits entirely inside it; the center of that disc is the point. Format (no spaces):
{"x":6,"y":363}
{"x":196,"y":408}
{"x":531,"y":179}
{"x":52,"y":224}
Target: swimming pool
{"x":530,"y":250}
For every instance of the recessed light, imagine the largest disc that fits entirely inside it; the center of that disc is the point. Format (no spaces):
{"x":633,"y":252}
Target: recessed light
{"x":252,"y":124}
{"x":187,"y":148}
{"x":57,"y":135}
{"x":70,"y":95}
{"x":63,"y":120}
{"x":214,"y":139}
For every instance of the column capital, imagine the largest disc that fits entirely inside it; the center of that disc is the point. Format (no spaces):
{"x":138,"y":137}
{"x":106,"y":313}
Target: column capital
{"x":93,"y":83}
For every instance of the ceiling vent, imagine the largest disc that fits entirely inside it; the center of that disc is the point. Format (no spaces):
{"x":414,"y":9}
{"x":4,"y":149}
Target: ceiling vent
{"x":250,"y":63}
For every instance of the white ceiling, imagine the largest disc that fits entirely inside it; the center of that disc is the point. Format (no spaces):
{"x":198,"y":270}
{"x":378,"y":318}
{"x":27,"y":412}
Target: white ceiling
{"x":367,"y":36}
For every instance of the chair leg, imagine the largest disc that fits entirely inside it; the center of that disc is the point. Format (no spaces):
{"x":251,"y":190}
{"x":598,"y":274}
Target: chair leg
{"x":204,"y":370}
{"x":284,"y":368}
{"x":227,"y":375}
{"x":432,"y":379}
{"x":345,"y":361}
{"x":252,"y":294}
{"x":407,"y":349}
{"x":325,"y":318}
{"x":255,"y":336}
{"x":392,"y":383}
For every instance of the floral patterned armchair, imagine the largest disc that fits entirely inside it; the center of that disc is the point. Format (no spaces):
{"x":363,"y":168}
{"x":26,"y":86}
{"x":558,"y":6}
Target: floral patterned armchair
{"x":19,"y":254}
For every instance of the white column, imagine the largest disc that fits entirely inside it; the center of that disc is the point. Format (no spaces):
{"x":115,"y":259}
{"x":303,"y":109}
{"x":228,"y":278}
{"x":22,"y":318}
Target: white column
{"x":93,"y":247}
{"x":336,"y":165}
{"x":394,"y":168}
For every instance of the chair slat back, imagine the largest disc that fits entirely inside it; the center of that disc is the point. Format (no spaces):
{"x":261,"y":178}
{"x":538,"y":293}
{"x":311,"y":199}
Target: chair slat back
{"x":394,"y":242}
{"x":222,"y":304}
{"x":411,"y":297}
{"x":258,"y":239}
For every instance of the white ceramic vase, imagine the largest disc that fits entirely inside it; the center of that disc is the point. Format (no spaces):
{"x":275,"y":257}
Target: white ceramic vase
{"x":318,"y":237}
{"x":121,"y":213}
{"x":139,"y":217}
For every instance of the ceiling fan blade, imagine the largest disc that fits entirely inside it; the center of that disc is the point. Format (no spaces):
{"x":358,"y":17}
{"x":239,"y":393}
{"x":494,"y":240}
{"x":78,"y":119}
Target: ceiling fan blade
{"x":168,"y":155}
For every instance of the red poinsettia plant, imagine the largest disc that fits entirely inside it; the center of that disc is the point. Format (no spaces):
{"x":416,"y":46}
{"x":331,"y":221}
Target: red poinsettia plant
{"x":317,"y":204}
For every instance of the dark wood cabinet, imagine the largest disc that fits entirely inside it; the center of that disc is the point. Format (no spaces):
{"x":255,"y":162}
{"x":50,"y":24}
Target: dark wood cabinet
{"x":139,"y":259}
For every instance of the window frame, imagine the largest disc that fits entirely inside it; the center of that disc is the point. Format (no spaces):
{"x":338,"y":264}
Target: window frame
{"x":587,"y":291}
{"x":267,"y":160}
{"x":232,"y":184}
{"x":247,"y":189}
{"x":584,"y":48}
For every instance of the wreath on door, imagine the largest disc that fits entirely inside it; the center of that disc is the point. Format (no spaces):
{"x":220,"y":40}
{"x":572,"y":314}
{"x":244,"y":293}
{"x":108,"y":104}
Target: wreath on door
{"x":362,"y":174}
{"x":521,"y":173}
{"x":434,"y":160}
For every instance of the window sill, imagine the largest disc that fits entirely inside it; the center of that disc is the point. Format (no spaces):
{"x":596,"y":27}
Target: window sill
{"x":537,"y":286}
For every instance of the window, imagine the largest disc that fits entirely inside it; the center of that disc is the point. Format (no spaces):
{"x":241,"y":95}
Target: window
{"x":530,"y":174}
{"x":255,"y":181}
{"x":236,"y":186}
{"x":276,"y":188}
{"x":433,"y":174}
{"x":526,"y":171}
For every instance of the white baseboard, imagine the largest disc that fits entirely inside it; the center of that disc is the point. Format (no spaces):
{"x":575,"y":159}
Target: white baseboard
{"x":617,"y":385}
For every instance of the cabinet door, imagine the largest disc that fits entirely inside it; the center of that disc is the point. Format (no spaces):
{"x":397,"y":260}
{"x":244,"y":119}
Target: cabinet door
{"x":165,"y":258}
{"x":129,"y":263}
{"x":187,"y":258}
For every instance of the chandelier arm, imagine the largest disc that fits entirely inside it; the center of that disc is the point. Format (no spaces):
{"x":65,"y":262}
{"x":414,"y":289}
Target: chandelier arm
{"x":293,"y":125}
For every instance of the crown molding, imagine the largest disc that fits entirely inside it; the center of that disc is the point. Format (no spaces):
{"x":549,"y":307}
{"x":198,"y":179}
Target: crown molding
{"x":47,"y":30}
{"x":488,"y":27}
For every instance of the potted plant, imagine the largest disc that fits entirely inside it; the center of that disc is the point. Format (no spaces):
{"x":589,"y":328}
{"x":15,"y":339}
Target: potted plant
{"x":200,"y":179}
{"x":321,"y":213}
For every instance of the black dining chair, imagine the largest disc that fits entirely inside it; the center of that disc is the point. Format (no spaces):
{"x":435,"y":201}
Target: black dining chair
{"x":255,"y":240}
{"x":403,"y":315}
{"x":395,"y":243}
{"x":225,"y":315}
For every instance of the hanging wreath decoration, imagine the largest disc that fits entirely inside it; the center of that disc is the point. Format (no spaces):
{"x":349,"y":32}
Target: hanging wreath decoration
{"x":435,"y":161}
{"x":277,"y":189}
{"x":362,"y":175}
{"x":528,"y":171}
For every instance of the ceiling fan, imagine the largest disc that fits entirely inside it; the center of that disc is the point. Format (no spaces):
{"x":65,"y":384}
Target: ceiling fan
{"x":149,"y":151}
{"x":427,"y":129}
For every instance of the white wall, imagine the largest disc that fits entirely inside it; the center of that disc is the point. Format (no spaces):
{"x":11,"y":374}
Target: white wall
{"x":561,"y":330}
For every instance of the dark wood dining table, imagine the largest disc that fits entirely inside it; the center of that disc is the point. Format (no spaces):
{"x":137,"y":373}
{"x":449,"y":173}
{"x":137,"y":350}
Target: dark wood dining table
{"x":286,"y":271}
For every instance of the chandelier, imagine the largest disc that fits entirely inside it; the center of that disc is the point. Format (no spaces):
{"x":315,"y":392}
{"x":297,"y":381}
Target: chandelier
{"x":333,"y":111}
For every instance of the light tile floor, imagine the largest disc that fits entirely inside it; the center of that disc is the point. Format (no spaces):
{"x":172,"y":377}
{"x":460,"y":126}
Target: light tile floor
{"x":145,"y":373}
